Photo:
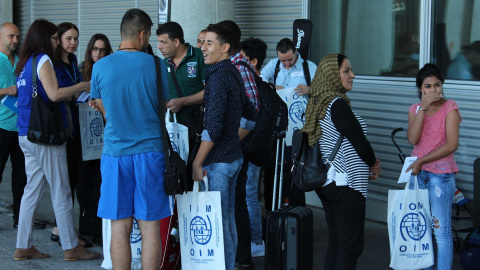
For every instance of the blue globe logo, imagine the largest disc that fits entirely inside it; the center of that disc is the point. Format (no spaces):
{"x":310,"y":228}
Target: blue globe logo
{"x":414,"y":225}
{"x":200,"y":230}
{"x":135,"y":235}
{"x":296,"y":110}
{"x":96,"y":127}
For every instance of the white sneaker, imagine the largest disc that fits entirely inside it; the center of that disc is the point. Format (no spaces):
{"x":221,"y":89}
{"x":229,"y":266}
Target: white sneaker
{"x":258,"y":250}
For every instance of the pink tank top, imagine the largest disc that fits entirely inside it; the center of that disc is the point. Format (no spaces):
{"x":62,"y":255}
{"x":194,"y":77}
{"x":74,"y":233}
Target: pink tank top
{"x":433,"y":136}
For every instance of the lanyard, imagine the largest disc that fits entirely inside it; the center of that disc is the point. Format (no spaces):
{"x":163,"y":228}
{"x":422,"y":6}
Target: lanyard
{"x":74,"y":80}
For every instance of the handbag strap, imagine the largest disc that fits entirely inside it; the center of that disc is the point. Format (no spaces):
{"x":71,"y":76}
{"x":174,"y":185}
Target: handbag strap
{"x":34,"y":74}
{"x":335,"y":149}
{"x":165,"y":138}
{"x":175,"y":81}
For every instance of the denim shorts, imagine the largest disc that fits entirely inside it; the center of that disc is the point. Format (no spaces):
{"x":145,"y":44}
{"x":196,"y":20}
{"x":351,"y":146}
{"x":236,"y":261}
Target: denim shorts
{"x":133,"y":185}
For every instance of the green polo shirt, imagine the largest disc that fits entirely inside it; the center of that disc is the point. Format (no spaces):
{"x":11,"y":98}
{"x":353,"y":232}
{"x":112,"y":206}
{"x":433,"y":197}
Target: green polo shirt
{"x":190,"y":74}
{"x":8,"y":119}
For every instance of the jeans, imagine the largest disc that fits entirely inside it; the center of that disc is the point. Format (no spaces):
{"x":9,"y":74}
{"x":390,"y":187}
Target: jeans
{"x":345,"y":215}
{"x":441,"y":189}
{"x":253,"y":203}
{"x":223,"y":177}
{"x":9,"y":147}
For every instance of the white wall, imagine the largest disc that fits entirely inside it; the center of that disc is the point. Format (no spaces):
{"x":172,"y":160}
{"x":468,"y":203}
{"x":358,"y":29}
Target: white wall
{"x":6,"y":11}
{"x":195,"y":15}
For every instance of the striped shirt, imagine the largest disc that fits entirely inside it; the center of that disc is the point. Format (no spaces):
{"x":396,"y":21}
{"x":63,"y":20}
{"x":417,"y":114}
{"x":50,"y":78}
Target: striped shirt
{"x":349,"y":169}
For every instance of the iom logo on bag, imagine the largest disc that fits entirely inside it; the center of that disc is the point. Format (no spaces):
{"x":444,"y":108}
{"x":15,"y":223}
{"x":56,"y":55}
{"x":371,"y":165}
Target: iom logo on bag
{"x":96,"y":127}
{"x":135,"y":235}
{"x":200,"y":230}
{"x":414,"y":225}
{"x":296,"y":110}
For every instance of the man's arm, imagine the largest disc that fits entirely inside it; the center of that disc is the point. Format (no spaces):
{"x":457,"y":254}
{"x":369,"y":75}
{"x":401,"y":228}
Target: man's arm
{"x":303,"y":89}
{"x":97,"y":104}
{"x":176,"y":104}
{"x":269,"y":70}
{"x":249,"y":118}
{"x":11,"y":91}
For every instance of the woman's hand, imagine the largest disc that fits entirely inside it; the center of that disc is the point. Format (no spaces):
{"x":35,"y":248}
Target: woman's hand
{"x":428,"y":99}
{"x":86,"y":86}
{"x":375,"y":171}
{"x":416,"y":167}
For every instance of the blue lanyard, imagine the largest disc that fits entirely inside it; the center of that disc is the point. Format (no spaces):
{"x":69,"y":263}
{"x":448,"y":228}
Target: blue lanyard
{"x":74,"y":74}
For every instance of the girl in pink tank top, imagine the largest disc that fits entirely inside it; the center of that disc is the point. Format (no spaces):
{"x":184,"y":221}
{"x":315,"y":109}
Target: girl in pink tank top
{"x":433,"y":129}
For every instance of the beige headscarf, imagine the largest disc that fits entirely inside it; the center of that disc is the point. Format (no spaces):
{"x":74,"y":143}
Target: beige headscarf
{"x":325,"y":87}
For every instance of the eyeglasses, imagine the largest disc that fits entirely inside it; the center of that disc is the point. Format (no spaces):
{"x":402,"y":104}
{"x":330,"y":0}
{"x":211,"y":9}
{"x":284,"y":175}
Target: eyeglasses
{"x":96,"y":49}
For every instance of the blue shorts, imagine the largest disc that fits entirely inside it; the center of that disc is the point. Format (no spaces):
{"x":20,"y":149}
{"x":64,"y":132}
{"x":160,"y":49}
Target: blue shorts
{"x":133,"y":185}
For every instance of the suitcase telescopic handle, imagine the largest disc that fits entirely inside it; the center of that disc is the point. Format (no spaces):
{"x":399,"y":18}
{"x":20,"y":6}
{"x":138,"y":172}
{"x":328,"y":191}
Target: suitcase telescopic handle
{"x":280,"y":137}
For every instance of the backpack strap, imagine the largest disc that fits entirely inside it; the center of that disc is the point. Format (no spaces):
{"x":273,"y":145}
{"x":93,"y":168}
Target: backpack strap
{"x":306,"y":72}
{"x":175,"y":81}
{"x":243,"y":63}
{"x":277,"y":70}
{"x":167,"y":146}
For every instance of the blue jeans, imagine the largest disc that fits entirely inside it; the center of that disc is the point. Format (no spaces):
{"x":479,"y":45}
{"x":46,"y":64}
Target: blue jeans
{"x":223,"y":177}
{"x":441,"y":189}
{"x":253,"y":204}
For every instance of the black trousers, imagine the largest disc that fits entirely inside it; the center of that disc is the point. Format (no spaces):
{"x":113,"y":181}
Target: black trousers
{"x":9,"y":147}
{"x":345,"y":214}
{"x":242,"y":219}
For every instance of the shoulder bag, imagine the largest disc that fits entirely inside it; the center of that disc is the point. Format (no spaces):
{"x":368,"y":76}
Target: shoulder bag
{"x":46,"y":124}
{"x":309,"y":172}
{"x":175,"y":178}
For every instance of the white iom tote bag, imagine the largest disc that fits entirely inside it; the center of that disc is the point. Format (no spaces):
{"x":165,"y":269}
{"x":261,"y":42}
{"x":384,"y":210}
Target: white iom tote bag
{"x":410,"y":228}
{"x":201,"y":229}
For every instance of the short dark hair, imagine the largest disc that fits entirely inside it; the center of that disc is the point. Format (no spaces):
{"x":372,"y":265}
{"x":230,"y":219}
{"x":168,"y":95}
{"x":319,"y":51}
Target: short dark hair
{"x":429,"y":70}
{"x":38,"y":40}
{"x":173,"y":30}
{"x":224,"y":34}
{"x":255,"y":48}
{"x":135,"y":21}
{"x":237,"y":34}
{"x":285,"y":45}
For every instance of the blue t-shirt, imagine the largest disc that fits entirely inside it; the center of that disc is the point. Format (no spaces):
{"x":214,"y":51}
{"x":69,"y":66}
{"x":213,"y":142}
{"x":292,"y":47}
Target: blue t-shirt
{"x":8,"y":119}
{"x":127,"y":84}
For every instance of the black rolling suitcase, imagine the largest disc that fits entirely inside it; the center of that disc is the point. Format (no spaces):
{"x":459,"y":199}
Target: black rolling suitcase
{"x":289,"y":235}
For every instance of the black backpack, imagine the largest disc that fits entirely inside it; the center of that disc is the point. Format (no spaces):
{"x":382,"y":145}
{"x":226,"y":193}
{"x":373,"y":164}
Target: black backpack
{"x":272,"y":118}
{"x":470,"y":256}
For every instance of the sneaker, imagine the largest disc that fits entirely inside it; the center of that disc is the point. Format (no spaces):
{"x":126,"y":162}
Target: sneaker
{"x":258,"y":250}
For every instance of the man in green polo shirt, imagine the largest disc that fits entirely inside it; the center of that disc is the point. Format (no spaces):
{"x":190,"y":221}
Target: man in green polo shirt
{"x":186,"y":75}
{"x":9,"y":147}
{"x":186,"y":79}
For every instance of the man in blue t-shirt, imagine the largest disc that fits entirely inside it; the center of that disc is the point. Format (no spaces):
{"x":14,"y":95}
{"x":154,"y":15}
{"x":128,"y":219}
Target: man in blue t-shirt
{"x":133,"y":164}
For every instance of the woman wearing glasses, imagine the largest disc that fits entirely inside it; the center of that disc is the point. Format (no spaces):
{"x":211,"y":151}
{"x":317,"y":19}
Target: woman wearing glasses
{"x":88,"y":172}
{"x":98,"y":47}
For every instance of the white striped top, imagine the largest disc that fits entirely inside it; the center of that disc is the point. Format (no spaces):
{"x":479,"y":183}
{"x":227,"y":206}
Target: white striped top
{"x":348,"y":168}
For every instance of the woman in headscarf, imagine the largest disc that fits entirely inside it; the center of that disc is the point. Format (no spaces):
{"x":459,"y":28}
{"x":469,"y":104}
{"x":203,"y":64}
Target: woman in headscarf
{"x":328,"y":116}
